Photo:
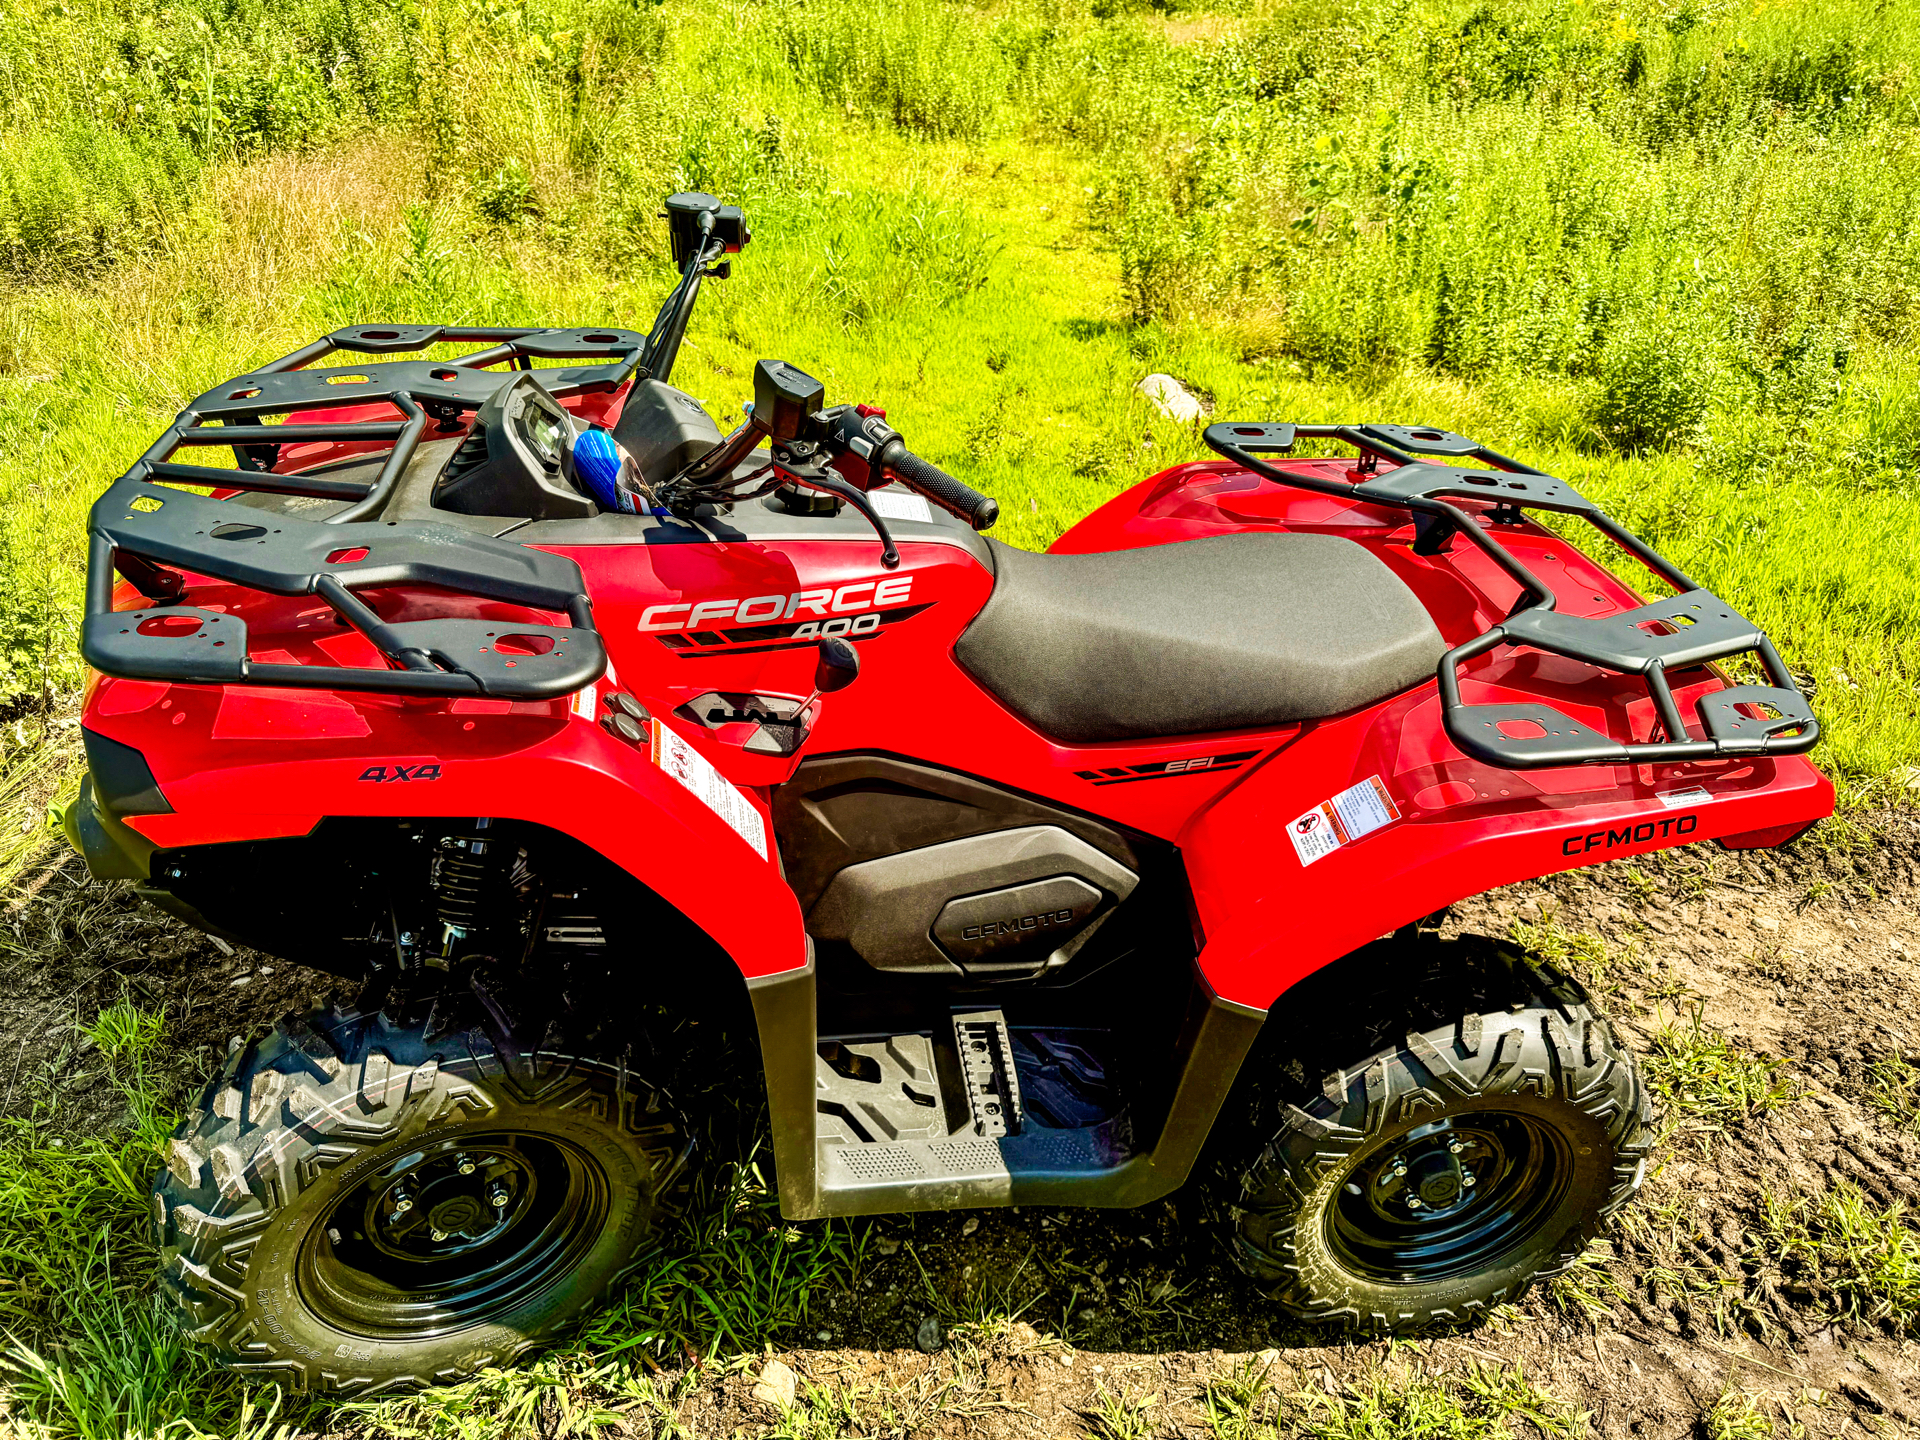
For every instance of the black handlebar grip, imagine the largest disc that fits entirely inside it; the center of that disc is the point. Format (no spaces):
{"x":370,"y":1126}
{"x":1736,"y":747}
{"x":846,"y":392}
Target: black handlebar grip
{"x":949,"y":494}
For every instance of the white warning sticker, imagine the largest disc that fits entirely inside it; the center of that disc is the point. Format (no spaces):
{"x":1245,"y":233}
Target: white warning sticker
{"x":1347,"y":817}
{"x":586,"y":702}
{"x":710,"y":787}
{"x":1692,"y":796}
{"x":900,"y":505}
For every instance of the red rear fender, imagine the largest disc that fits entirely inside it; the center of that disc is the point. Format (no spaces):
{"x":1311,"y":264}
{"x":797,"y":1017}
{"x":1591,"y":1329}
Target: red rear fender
{"x":221,"y":759}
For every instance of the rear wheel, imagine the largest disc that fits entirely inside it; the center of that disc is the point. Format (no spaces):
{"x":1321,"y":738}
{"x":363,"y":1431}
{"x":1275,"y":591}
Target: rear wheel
{"x":1468,"y":1141}
{"x":361,"y":1204}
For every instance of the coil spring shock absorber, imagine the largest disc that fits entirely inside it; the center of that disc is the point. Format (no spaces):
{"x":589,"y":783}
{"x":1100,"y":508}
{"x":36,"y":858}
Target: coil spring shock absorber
{"x":479,"y":880}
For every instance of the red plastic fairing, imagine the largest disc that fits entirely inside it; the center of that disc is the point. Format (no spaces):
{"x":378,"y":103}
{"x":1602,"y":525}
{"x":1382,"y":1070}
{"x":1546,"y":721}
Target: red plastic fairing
{"x":1270,"y":919}
{"x":681,"y":621}
{"x":223,"y":760}
{"x":1463,"y":827}
{"x":912,"y":699}
{"x":1769,"y":837}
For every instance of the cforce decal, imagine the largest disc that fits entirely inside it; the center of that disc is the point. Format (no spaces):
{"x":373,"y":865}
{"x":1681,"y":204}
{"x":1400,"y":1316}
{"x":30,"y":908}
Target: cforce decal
{"x":1630,"y":835}
{"x":1165,"y":770}
{"x":827,"y":601}
{"x":802,"y":617}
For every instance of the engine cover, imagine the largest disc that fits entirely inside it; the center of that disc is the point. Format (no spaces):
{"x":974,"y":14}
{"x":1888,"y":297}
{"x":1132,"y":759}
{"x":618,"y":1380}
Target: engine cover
{"x":1010,"y":902}
{"x":973,"y":929}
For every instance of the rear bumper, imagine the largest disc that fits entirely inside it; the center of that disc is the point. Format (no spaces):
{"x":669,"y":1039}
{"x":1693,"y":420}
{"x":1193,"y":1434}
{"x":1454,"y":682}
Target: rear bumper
{"x":114,"y":850}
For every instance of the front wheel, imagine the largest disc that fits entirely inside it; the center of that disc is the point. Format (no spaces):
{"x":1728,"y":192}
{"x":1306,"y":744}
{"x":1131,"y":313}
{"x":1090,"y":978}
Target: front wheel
{"x":1439,"y":1173}
{"x":361,"y":1204}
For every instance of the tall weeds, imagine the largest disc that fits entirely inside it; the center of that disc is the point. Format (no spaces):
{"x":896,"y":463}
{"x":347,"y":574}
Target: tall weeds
{"x":1668,"y":235}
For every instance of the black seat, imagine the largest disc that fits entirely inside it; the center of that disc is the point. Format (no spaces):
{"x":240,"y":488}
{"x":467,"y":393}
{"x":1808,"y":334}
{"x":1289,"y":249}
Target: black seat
{"x":1252,"y":629}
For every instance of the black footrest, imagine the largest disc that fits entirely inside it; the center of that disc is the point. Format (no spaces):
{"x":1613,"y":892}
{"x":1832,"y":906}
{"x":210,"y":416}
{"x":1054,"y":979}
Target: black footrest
{"x":987,"y":1071}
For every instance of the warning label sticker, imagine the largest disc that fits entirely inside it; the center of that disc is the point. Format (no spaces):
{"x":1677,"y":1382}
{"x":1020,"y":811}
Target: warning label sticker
{"x":1693,"y":796}
{"x":710,"y":787}
{"x":900,"y":505}
{"x":1346,"y":817}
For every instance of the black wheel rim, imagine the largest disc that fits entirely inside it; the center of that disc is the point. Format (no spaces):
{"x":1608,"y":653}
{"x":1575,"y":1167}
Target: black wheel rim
{"x":1449,"y":1199}
{"x":452,"y":1234}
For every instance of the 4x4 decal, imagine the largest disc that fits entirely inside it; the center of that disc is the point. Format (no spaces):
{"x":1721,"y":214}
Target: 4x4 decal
{"x":420,"y":771}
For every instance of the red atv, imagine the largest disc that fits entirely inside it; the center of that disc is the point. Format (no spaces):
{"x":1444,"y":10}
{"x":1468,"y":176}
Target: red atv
{"x":509,"y":690}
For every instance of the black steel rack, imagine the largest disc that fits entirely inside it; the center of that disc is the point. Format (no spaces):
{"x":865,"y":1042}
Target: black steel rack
{"x":147,"y":529}
{"x":1690,"y":629}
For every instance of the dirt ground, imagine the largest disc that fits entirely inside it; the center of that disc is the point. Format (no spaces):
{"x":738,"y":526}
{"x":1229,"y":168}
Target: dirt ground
{"x":1808,"y":956}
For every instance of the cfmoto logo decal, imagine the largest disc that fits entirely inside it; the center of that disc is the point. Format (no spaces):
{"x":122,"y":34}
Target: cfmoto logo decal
{"x":1040,"y":921}
{"x":1630,"y":835}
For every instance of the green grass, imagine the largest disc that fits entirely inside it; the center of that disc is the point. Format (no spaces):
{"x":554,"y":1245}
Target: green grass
{"x":1862,"y":1257}
{"x":1666,"y":251}
{"x":1737,"y":1416}
{"x":1893,"y":1083}
{"x":1706,"y":1082}
{"x":1582,"y":954}
{"x":1391,"y":1402}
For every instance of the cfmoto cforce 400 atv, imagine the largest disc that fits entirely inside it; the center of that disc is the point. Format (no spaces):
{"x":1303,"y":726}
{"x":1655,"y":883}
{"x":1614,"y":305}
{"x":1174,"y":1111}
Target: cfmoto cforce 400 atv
{"x":508,"y":689}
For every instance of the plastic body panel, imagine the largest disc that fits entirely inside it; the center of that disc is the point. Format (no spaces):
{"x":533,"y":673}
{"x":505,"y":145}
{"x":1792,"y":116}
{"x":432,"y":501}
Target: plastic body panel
{"x":248,"y":763}
{"x":1465,"y":826}
{"x":670,"y":615}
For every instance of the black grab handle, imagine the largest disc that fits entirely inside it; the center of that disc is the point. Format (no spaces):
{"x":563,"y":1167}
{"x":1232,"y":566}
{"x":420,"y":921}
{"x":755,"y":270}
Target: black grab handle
{"x":949,"y":494}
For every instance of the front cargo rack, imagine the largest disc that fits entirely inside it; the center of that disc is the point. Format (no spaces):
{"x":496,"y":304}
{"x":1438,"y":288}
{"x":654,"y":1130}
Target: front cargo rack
{"x":1690,"y":629}
{"x":153,"y":533}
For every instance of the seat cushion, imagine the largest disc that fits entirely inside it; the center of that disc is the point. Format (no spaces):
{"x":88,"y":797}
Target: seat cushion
{"x":1232,"y":631}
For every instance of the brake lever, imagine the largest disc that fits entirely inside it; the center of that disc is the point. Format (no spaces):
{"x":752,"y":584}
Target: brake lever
{"x":811,"y":469}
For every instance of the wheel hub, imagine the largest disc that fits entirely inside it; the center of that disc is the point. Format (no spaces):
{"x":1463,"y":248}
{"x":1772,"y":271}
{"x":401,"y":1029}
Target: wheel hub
{"x":1432,"y":1173}
{"x":1447,"y":1197}
{"x":452,"y":1233}
{"x":439,"y":1205}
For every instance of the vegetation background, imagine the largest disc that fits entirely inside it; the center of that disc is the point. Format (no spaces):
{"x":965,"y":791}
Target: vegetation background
{"x":1664,"y":248}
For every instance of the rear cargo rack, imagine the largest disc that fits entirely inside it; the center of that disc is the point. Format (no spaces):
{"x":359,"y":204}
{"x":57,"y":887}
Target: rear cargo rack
{"x":152,"y":532}
{"x":1684,"y":631}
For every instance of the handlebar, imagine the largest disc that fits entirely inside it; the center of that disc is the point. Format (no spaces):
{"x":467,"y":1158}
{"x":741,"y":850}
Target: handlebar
{"x":953,"y":496}
{"x":845,"y":450}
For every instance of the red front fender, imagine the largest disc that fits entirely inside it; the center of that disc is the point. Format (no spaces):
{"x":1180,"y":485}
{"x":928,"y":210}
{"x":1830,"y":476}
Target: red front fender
{"x":1269,"y":919}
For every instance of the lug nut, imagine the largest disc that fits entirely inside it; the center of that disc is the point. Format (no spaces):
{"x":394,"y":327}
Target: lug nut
{"x":1456,"y":1147}
{"x":402,"y":1205}
{"x":1414,"y":1203}
{"x":497,"y":1197}
{"x":1467,"y":1179}
{"x":438,"y":1235}
{"x":465,"y":1163}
